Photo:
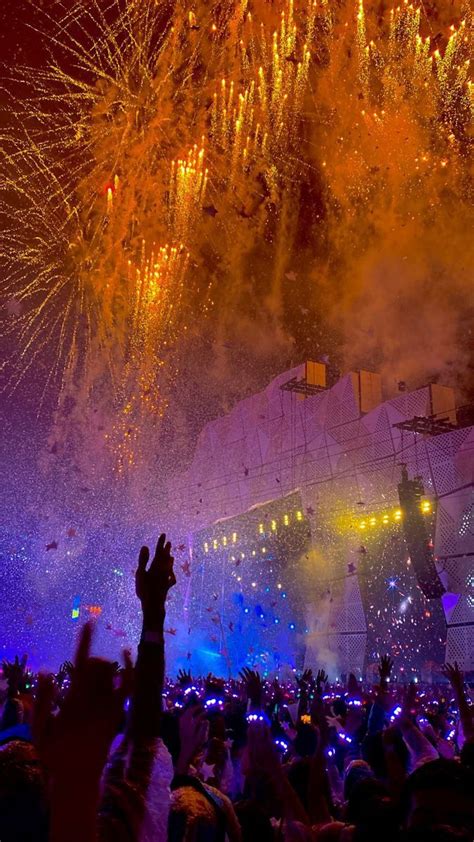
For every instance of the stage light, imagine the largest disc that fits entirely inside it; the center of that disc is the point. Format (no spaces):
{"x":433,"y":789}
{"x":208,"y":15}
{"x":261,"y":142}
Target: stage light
{"x":397,"y":515}
{"x":264,"y":549}
{"x":260,"y":528}
{"x":373,"y":521}
{"x":206,"y":548}
{"x":254,"y":584}
{"x":362,"y":524}
{"x":286,"y":520}
{"x":291,"y":626}
{"x":299,"y":515}
{"x":234,"y":537}
{"x":426,"y":507}
{"x":276,"y":621}
{"x":385,"y":519}
{"x":224,"y":541}
{"x":279,"y":586}
{"x":214,"y":543}
{"x":274,"y":525}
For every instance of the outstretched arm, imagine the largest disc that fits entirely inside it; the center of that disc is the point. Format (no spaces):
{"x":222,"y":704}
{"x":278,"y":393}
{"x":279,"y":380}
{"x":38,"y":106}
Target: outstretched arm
{"x":152,"y":586}
{"x":380,"y":704}
{"x":73,"y":745}
{"x":466,"y":713}
{"x":129,"y":770}
{"x":420,"y":748}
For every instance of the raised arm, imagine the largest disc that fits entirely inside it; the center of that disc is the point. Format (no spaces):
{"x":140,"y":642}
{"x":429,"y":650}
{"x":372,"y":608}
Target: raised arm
{"x":73,"y":745}
{"x":466,"y":712}
{"x":379,"y":707}
{"x":152,"y":587}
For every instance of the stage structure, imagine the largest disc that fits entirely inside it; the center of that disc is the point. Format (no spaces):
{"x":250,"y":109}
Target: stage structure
{"x":328,"y":526}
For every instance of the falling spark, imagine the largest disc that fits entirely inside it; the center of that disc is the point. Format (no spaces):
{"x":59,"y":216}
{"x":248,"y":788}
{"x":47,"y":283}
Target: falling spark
{"x":144,"y":117}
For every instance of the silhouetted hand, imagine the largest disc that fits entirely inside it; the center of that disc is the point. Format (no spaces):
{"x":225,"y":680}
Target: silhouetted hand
{"x":454,"y":676}
{"x":73,"y":745}
{"x":185,"y":678}
{"x":214,"y":685}
{"x":321,"y":680}
{"x":152,"y":585}
{"x":15,"y":673}
{"x":466,"y":713}
{"x":253,"y":685}
{"x":65,"y":672}
{"x":385,"y":669}
{"x":305,"y":681}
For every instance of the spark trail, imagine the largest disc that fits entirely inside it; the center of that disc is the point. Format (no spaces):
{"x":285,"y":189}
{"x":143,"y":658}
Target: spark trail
{"x":168,"y":171}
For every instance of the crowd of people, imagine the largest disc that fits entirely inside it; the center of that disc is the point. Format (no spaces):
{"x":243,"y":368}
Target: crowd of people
{"x":102,"y":751}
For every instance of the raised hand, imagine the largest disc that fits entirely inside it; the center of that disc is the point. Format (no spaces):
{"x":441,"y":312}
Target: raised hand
{"x":253,"y":685}
{"x":385,"y":669}
{"x":185,"y":678}
{"x":214,"y":685}
{"x":305,"y":681}
{"x":76,"y":741}
{"x":65,"y":672}
{"x":454,"y":675}
{"x":321,"y":679}
{"x":73,"y":745}
{"x":466,"y":712}
{"x":15,"y":673}
{"x":152,"y":585}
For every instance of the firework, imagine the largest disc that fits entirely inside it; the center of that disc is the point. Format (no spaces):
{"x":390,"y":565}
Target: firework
{"x":238,"y":138}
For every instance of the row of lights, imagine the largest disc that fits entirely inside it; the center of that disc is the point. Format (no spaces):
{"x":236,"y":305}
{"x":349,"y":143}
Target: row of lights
{"x":226,"y":542}
{"x":395,"y":516}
